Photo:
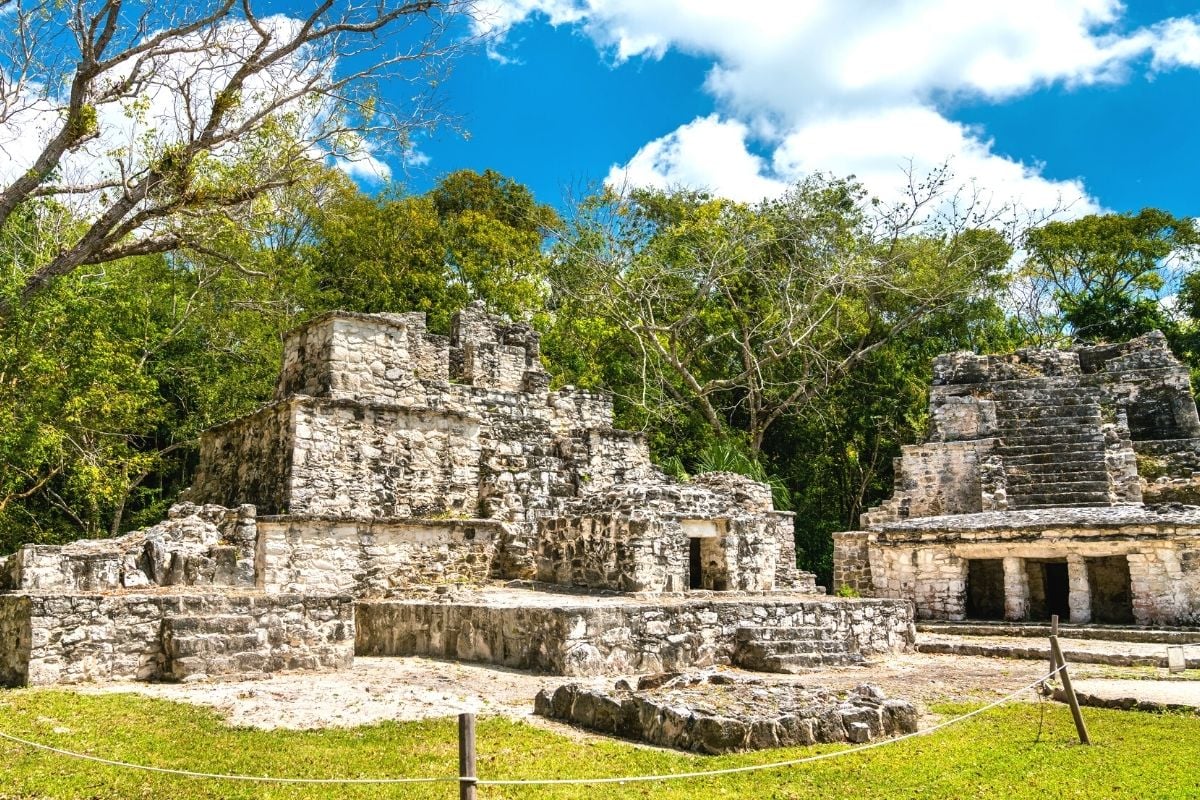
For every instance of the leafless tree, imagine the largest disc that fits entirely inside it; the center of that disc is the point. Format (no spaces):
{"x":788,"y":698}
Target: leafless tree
{"x":152,"y":120}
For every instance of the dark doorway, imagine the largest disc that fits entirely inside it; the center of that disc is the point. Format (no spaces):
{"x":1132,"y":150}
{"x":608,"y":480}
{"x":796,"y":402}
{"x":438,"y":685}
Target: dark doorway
{"x":985,"y":588}
{"x":1112,"y":599}
{"x":1057,"y":584}
{"x":695,"y":564}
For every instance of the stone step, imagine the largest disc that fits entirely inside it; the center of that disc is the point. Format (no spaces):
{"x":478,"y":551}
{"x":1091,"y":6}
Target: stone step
{"x":214,"y":624}
{"x":1026,"y":411}
{"x":1047,"y":427}
{"x":1041,"y":652}
{"x":777,"y":633}
{"x":794,"y":663}
{"x":1044,"y":449}
{"x":1087,"y":439}
{"x":1049,"y":408}
{"x":1077,"y":469}
{"x":1077,"y":631}
{"x":1039,"y":483}
{"x":766,"y":650}
{"x":1052,"y":458}
{"x":1054,"y":500}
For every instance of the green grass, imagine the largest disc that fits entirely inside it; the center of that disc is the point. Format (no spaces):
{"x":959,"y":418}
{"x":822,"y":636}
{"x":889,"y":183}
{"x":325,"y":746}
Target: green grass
{"x":995,"y":755}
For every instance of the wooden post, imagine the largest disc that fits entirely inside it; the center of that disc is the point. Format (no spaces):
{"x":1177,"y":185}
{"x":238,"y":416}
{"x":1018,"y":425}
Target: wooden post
{"x":466,"y":756}
{"x":1069,"y":690}
{"x":1053,"y":635}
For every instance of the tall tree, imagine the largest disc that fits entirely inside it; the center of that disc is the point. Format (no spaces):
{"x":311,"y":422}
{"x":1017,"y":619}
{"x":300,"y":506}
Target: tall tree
{"x":473,"y":236}
{"x":1106,"y":274}
{"x":748,"y":313}
{"x":153,"y":120}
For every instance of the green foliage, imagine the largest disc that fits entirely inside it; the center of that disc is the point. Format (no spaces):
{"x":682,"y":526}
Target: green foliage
{"x":471,"y":237}
{"x":1017,"y":751}
{"x":846,"y":590}
{"x":725,"y":456}
{"x":1107,"y":271}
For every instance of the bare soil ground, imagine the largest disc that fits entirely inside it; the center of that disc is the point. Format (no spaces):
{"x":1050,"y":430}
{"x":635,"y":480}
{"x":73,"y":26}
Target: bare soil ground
{"x":378,"y":689}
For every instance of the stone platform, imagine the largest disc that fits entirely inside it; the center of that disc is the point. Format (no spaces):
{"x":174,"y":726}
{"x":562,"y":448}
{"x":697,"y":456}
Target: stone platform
{"x":718,"y":713}
{"x":169,"y":634}
{"x":590,"y":634}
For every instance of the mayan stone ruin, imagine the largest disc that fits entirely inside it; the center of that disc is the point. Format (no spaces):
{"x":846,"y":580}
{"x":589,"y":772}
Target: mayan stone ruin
{"x":1052,"y":482}
{"x":414,"y":494}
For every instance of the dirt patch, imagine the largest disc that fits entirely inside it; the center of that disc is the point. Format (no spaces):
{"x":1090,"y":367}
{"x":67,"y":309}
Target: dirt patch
{"x":378,"y":689}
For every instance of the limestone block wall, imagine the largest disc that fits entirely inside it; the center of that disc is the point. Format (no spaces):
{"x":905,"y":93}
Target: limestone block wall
{"x":852,"y":562}
{"x":939,"y":478}
{"x":373,"y":559}
{"x":636,"y":538}
{"x":95,"y":637}
{"x":248,"y":460}
{"x":374,"y":358}
{"x":357,"y":460}
{"x":613,"y":638}
{"x":16,"y":639}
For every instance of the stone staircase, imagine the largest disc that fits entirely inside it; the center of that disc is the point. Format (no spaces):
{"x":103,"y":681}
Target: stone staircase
{"x":1052,"y":446}
{"x":768,"y":648}
{"x":195,"y":646}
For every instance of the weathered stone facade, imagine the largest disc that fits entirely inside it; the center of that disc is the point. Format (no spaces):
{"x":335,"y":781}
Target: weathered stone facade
{"x":1027,"y":499}
{"x":393,"y":463}
{"x":618,"y":635}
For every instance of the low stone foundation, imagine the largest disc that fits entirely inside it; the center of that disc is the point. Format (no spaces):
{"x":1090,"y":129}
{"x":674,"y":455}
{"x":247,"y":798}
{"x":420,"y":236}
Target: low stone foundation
{"x":47,"y":639}
{"x":564,"y":634}
{"x":717,"y":713}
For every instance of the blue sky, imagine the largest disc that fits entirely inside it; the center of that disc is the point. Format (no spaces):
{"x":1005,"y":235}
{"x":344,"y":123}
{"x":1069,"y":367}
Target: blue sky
{"x":1088,"y":103}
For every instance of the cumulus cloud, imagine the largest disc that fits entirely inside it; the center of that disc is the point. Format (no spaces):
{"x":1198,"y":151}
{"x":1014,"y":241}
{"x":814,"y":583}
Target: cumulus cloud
{"x":854,"y":87}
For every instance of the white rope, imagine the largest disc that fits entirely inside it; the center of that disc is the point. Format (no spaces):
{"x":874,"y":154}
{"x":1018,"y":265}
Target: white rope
{"x":215,"y":776}
{"x":531,"y":782}
{"x":775,"y":764}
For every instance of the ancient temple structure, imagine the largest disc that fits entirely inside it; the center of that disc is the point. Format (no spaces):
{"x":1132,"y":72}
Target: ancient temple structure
{"x":1052,"y":482}
{"x":409,"y":493}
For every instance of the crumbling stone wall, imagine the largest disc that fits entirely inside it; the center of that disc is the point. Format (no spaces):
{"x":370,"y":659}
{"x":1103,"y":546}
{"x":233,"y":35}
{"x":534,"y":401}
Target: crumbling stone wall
{"x":373,"y":558}
{"x":195,"y":546}
{"x":636,"y":539}
{"x":612,"y":638}
{"x":96,"y":637}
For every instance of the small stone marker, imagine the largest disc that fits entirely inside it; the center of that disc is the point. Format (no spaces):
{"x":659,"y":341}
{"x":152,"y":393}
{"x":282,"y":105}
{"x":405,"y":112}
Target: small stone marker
{"x":1175,"y":660}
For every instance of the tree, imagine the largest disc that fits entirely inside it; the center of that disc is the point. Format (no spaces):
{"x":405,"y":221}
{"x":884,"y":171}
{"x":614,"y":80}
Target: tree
{"x":748,"y":313}
{"x":163,"y":119}
{"x":1106,"y":273}
{"x":473,"y":236}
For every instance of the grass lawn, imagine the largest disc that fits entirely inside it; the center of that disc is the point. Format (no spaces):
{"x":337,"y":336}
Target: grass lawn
{"x":995,"y":755}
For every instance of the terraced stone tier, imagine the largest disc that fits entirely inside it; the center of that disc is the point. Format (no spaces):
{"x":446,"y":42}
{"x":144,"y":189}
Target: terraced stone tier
{"x":573,"y":634}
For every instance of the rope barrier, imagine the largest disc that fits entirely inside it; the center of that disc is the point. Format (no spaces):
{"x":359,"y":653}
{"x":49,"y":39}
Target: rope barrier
{"x":775,"y":764}
{"x":528,"y":782}
{"x":213,"y":775}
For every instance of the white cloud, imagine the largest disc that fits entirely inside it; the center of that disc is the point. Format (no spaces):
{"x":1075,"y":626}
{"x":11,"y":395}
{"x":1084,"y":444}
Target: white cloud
{"x":684,"y":158}
{"x":1178,"y":44}
{"x":859,"y":87}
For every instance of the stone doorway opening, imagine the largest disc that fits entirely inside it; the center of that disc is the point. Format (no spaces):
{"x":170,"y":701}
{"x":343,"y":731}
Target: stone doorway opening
{"x":985,"y":588}
{"x":1112,"y":597}
{"x":707,"y":565}
{"x":1049,"y":589}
